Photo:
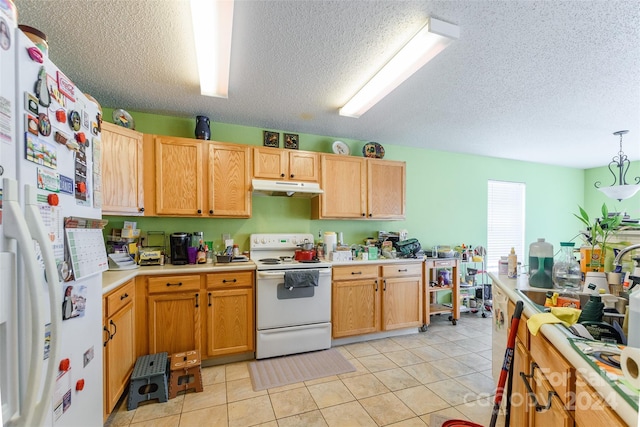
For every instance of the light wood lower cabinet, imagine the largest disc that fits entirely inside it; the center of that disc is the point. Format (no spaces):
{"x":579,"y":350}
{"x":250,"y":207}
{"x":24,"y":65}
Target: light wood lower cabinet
{"x":230,"y":313}
{"x":591,"y":409}
{"x":401,"y":296}
{"x":119,"y":343}
{"x":174,"y":313}
{"x":372,"y":298}
{"x":519,"y":399}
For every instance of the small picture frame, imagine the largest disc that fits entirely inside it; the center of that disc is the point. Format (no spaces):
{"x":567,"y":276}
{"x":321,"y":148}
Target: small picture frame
{"x":291,"y":141}
{"x":271,"y":139}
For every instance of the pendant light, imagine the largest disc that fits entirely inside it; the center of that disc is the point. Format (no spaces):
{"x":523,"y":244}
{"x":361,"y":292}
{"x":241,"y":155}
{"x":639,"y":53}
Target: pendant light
{"x":623,"y":190}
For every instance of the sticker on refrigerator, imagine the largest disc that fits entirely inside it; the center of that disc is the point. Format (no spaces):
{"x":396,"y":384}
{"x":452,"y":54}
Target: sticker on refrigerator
{"x":31,"y":124}
{"x":81,"y":169}
{"x":31,"y":103}
{"x":66,"y":87}
{"x":40,"y":152}
{"x":6,"y":119}
{"x":62,"y":394}
{"x":47,"y":340}
{"x":66,"y":184}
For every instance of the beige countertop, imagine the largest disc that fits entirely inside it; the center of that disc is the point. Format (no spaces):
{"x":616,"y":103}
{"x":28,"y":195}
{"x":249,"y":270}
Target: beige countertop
{"x":558,"y":336}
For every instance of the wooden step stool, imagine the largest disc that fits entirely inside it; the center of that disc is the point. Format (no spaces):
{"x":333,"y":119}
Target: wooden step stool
{"x":185,"y":373}
{"x":148,"y":380}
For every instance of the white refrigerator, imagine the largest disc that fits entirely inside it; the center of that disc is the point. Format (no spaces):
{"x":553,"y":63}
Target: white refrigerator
{"x":51,"y":247}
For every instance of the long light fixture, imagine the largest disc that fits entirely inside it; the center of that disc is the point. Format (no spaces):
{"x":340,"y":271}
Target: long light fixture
{"x":212,"y":26}
{"x":432,"y":39}
{"x":623,"y":190}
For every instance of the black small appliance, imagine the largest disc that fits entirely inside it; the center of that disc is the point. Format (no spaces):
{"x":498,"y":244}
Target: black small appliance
{"x":179,"y":243}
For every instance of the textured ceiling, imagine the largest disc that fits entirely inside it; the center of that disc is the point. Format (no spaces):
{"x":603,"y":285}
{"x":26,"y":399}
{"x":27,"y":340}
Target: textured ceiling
{"x":542,"y":81}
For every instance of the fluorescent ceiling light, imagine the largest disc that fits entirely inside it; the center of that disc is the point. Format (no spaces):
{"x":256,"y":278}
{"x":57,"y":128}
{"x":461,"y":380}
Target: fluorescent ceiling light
{"x":212,"y":25}
{"x":432,"y":39}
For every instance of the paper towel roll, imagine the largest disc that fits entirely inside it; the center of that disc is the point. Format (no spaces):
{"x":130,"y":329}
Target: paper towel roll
{"x":630,"y":364}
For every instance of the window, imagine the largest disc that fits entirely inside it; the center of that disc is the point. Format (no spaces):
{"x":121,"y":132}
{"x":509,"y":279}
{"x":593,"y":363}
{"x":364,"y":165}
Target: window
{"x":505,"y":220}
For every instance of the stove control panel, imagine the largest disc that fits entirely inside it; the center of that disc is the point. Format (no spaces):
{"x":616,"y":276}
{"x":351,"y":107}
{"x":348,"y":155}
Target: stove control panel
{"x":278,"y":241}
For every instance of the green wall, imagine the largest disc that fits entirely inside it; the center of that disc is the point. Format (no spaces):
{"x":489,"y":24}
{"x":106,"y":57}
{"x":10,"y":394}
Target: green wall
{"x":446,"y":194}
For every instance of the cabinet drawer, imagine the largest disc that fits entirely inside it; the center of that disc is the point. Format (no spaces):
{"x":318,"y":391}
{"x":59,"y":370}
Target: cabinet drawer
{"x":591,"y":409}
{"x":441,"y":263}
{"x":230,"y":279}
{"x":355,"y":272}
{"x":166,"y":284}
{"x":559,"y":373}
{"x":523,"y":331}
{"x":400,"y":270}
{"x":120,"y":297}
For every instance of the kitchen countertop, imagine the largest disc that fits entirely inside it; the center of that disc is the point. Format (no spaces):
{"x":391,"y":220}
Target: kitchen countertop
{"x":111,"y":279}
{"x":558,"y":336}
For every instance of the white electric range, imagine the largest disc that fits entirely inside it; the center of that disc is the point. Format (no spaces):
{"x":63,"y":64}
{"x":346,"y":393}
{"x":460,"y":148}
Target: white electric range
{"x":293,"y":319}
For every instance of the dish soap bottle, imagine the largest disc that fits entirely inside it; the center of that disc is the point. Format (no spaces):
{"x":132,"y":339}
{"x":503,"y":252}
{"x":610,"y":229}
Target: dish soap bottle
{"x":594,"y":309}
{"x":512,"y":264}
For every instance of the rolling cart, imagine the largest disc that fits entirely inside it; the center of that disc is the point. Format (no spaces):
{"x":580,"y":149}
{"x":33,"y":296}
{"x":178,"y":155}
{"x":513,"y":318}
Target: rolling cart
{"x":441,"y":274}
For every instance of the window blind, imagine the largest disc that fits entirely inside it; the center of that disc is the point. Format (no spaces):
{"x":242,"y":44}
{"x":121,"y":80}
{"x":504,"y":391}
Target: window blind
{"x":505,"y":221}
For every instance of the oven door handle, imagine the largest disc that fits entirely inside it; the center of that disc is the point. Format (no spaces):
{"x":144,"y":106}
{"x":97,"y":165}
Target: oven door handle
{"x":273,"y":274}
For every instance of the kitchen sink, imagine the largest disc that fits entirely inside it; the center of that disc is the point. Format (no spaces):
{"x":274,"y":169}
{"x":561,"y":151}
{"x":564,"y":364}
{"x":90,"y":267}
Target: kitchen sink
{"x":538,"y":297}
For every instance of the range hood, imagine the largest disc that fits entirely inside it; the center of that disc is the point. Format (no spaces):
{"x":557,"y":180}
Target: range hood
{"x":265,"y":187}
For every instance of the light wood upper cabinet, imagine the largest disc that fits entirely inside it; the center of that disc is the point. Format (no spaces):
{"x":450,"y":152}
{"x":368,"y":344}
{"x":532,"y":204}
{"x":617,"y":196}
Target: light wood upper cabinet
{"x":228,"y":190}
{"x":293,"y":165}
{"x":179,"y":183}
{"x":386,"y":189}
{"x":344,"y":181}
{"x":122,"y":171}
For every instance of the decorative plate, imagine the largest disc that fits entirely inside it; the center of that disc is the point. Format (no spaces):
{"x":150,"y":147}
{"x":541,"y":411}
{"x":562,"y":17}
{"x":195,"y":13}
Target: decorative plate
{"x":373,"y":150}
{"x":122,"y":118}
{"x":340,"y":147}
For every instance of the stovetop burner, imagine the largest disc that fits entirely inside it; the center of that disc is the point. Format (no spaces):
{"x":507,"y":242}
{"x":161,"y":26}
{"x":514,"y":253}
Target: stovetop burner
{"x":270,"y":261}
{"x":309,"y":261}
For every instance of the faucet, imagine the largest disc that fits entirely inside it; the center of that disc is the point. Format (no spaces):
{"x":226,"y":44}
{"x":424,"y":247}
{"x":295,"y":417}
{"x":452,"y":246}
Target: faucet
{"x":616,"y":261}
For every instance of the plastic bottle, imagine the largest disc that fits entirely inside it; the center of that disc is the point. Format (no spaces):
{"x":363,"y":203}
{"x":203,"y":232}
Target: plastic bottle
{"x":503,"y":266}
{"x":566,"y":272}
{"x":512,"y":264}
{"x":236,"y":251}
{"x":201,"y":256}
{"x":540,"y":264}
{"x":593,"y":310}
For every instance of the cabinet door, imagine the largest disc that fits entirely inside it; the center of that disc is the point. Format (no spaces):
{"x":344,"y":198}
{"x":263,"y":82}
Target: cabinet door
{"x":179,"y":180}
{"x":119,"y":354}
{"x":303,"y":166}
{"x":122,"y":189}
{"x":519,"y":400}
{"x":230,"y":321}
{"x":174,"y":322}
{"x":386,"y":189}
{"x":355,"y":307}
{"x":229,"y":192}
{"x":343,"y":180}
{"x":401,"y":302}
{"x":270,"y":163}
{"x":557,"y":415}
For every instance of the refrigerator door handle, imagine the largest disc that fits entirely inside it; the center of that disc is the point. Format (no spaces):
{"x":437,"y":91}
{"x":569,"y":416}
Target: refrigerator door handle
{"x":40,"y":234}
{"x":15,"y":227}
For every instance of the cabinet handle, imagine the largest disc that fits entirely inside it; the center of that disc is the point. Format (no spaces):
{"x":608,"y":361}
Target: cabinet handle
{"x":370,"y":215}
{"x":210,"y":211}
{"x":229,"y":281}
{"x":356,"y":272}
{"x":281,"y":175}
{"x":115,"y":329}
{"x":104,"y":328}
{"x":174,"y":284}
{"x":384,"y":284}
{"x":364,"y":214}
{"x":532,"y":395}
{"x":199,"y":211}
{"x":292,"y":175}
{"x":141,"y":210}
{"x":209,"y":299}
{"x":197,"y":300}
{"x":403,"y":271}
{"x":124,"y":296}
{"x":376,"y":285}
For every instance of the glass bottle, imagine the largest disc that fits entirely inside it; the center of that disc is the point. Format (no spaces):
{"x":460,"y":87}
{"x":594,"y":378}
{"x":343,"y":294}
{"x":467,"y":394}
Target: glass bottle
{"x":201,"y":254}
{"x":566,"y":269}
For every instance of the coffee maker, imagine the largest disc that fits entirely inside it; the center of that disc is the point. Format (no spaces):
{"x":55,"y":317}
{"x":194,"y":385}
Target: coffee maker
{"x":179,"y":243}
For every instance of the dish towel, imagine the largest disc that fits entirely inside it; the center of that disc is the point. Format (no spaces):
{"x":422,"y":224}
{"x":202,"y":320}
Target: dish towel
{"x":301,"y":279}
{"x":565,"y":315}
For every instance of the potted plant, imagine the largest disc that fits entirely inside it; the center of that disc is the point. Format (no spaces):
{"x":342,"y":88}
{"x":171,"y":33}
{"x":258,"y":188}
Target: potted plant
{"x":599,"y":231}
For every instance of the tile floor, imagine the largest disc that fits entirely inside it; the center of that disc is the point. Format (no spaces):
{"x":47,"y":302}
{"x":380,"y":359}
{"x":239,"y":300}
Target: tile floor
{"x":410,"y":380}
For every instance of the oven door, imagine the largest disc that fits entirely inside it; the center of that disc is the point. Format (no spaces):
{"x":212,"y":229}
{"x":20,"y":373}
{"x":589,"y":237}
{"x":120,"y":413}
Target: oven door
{"x":278,"y":307}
